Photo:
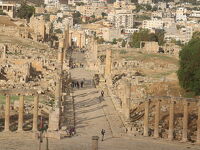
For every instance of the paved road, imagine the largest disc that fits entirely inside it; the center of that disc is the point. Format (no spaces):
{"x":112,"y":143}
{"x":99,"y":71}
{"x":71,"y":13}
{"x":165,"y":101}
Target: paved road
{"x":91,"y":116}
{"x":90,"y":119}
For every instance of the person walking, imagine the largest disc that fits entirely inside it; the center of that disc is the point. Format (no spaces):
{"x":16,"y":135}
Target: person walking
{"x":82,"y":84}
{"x":102,"y":134}
{"x":102,"y":93}
{"x":78,"y":85}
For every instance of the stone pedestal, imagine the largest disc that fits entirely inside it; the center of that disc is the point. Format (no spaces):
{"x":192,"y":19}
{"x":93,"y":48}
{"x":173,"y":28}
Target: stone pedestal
{"x":54,"y":120}
{"x":7,"y":114}
{"x":21,"y":113}
{"x":95,"y":142}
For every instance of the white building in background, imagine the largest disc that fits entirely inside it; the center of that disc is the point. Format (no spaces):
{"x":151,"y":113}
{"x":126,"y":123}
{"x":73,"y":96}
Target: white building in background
{"x":144,"y":1}
{"x":181,"y":14}
{"x":51,"y":2}
{"x":195,"y":13}
{"x":131,"y":31}
{"x":121,"y":18}
{"x":183,"y":35}
{"x":9,"y":9}
{"x":154,"y":23}
{"x":124,"y":20}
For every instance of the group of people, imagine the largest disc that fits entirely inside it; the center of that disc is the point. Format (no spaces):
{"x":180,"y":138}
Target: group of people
{"x":77,"y":66}
{"x":77,"y":84}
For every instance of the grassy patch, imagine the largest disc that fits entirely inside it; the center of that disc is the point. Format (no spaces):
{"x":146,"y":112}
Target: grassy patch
{"x":162,"y":74}
{"x":123,"y":52}
{"x":15,"y":98}
{"x":148,"y":57}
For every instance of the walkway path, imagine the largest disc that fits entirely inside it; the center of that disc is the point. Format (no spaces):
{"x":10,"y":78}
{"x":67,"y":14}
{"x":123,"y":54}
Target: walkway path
{"x":91,"y":115}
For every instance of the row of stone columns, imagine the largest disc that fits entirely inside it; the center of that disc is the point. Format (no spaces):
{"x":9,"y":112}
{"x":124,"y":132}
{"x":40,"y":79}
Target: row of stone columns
{"x":21,"y":113}
{"x":171,"y":120}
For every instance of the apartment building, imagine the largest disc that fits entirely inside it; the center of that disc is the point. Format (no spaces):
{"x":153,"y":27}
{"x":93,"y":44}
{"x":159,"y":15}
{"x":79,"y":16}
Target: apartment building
{"x":121,"y":18}
{"x":154,"y":23}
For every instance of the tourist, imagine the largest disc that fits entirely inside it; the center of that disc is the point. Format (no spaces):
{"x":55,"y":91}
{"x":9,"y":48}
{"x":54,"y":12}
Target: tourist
{"x":102,"y":134}
{"x":82,"y":84}
{"x":77,"y":84}
{"x":102,"y":93}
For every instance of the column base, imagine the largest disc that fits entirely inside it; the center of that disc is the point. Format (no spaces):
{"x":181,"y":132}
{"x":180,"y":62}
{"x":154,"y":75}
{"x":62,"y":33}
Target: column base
{"x":184,"y":140}
{"x":6,"y":131}
{"x":155,"y":137}
{"x":34,"y":131}
{"x":20,"y":130}
{"x":170,"y":138}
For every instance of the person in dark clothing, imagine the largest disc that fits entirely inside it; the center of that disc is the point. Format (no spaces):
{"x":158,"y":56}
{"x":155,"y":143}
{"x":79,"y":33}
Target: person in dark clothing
{"x":77,"y":84}
{"x":81,"y":84}
{"x":102,"y":134}
{"x":102,"y":93}
{"x":72,"y":84}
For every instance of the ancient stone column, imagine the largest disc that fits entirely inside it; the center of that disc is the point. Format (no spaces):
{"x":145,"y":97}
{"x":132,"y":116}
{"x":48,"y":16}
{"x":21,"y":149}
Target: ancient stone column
{"x":198,"y":124}
{"x":70,"y":39}
{"x":185,"y":121}
{"x":108,"y":62}
{"x":146,"y":118}
{"x":21,"y":113}
{"x":157,"y":119}
{"x":95,"y":142}
{"x":126,"y":103}
{"x":171,"y":120}
{"x":58,"y":90}
{"x":35,"y":113}
{"x":66,"y":43}
{"x":7,"y":114}
{"x":60,"y":58}
{"x":5,"y":48}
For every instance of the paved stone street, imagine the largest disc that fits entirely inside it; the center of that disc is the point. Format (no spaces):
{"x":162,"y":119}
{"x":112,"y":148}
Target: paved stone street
{"x":91,"y":115}
{"x":90,"y":119}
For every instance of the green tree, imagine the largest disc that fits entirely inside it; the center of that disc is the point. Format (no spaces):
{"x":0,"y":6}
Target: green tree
{"x":148,"y":7}
{"x":114,"y":41}
{"x":155,"y":8}
{"x":100,"y":40}
{"x":139,"y":7}
{"x":123,"y":43}
{"x":2,"y":13}
{"x":137,"y":37}
{"x":160,"y":34}
{"x":25,"y":11}
{"x":79,"y":4}
{"x":196,"y":35}
{"x":103,"y":14}
{"x":93,"y":16}
{"x":189,"y":70}
{"x":77,"y":17}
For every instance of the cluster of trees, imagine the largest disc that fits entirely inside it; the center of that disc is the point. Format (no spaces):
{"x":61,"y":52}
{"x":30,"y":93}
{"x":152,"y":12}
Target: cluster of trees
{"x":77,"y":17}
{"x":189,"y":70}
{"x":25,"y":11}
{"x":145,"y":35}
{"x":146,"y":7}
